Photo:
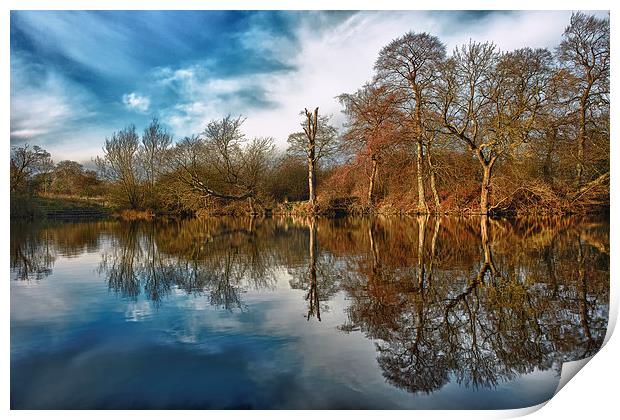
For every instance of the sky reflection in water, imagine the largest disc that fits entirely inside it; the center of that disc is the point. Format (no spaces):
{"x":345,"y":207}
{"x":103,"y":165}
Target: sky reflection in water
{"x":290,"y":313}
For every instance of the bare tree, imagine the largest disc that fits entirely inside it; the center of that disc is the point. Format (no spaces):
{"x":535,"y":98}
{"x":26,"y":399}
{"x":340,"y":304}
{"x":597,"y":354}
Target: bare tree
{"x":257,"y":164}
{"x":26,"y":162}
{"x":316,"y":142}
{"x":155,"y":141}
{"x":372,"y":126}
{"x":585,"y":54}
{"x":411,"y":63}
{"x":120,"y":165}
{"x":464,"y":105}
{"x":221,"y":164}
{"x":491,"y":102}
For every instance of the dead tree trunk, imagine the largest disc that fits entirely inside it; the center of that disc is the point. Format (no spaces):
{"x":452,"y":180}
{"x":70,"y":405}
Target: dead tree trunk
{"x":311,"y":179}
{"x":310,"y":130}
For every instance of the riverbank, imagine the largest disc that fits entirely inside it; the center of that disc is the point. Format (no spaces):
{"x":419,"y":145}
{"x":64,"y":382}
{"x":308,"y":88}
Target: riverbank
{"x":350,"y":206}
{"x":78,"y":208}
{"x":59,"y":207}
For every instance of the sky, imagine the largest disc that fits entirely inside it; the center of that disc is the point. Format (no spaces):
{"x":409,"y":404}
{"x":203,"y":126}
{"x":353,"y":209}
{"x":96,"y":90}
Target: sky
{"x":79,"y":76}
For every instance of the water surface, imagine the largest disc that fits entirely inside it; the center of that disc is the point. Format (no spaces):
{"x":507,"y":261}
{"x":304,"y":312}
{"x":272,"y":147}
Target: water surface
{"x":293,"y":313}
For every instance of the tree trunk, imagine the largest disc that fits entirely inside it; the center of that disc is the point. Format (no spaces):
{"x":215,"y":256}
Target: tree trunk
{"x":580,"y":145}
{"x":582,"y":133}
{"x":311,"y":180}
{"x":422,"y":207}
{"x":371,"y":185}
{"x":251,"y":205}
{"x":433,"y":179}
{"x":485,"y":190}
{"x":311,"y":130}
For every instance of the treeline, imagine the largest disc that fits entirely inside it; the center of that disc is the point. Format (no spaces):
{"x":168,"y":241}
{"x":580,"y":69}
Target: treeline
{"x":218,"y":171}
{"x":477,"y":130}
{"x":33,"y":171}
{"x":481,"y":129}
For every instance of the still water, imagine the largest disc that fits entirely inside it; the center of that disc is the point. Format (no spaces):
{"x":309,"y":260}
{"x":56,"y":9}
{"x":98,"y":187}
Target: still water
{"x":311,"y":314}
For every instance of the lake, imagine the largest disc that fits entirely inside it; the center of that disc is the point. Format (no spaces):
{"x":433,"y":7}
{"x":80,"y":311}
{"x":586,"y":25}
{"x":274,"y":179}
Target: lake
{"x":364,"y":313}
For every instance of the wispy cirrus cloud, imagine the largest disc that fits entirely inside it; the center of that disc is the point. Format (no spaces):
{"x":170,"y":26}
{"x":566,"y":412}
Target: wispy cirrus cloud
{"x":325,"y":57}
{"x":46,"y":107}
{"x":54,"y":112}
{"x":200,"y":97}
{"x":79,"y":76}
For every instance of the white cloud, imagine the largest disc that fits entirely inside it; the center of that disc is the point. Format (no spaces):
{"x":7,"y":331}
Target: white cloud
{"x":41,"y":111}
{"x":50,"y":111}
{"x":203,"y":97}
{"x":136,"y":102}
{"x":103,"y":48}
{"x":337,"y":59}
{"x":327,"y":60}
{"x":36,"y":113}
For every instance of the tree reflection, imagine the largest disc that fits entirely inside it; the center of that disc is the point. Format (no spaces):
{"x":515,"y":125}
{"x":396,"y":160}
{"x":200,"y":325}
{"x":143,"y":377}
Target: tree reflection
{"x":120,"y":263}
{"x":478,"y":325}
{"x":35,"y":247}
{"x":313,"y":295}
{"x":219,"y":258}
{"x":32,"y":254}
{"x":318,"y":277}
{"x":470,"y":300}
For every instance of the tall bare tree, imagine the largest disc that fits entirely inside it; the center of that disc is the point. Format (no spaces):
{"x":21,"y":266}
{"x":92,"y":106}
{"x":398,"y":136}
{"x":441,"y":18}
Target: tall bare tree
{"x":316,"y":142}
{"x":492,"y":102}
{"x":372,"y":126}
{"x":585,"y":54}
{"x":465,"y":106}
{"x":120,"y":165}
{"x":155,"y":141}
{"x":411,"y":62}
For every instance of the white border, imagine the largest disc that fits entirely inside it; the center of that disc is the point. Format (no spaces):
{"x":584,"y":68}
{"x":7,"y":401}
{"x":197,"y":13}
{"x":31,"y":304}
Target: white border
{"x":592,"y":395}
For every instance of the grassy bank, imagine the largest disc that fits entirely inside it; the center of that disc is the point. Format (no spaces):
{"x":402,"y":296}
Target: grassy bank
{"x":58,"y":207}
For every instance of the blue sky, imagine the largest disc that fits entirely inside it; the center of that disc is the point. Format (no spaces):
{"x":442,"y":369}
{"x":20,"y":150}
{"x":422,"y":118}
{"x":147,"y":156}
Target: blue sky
{"x":78,"y":76}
